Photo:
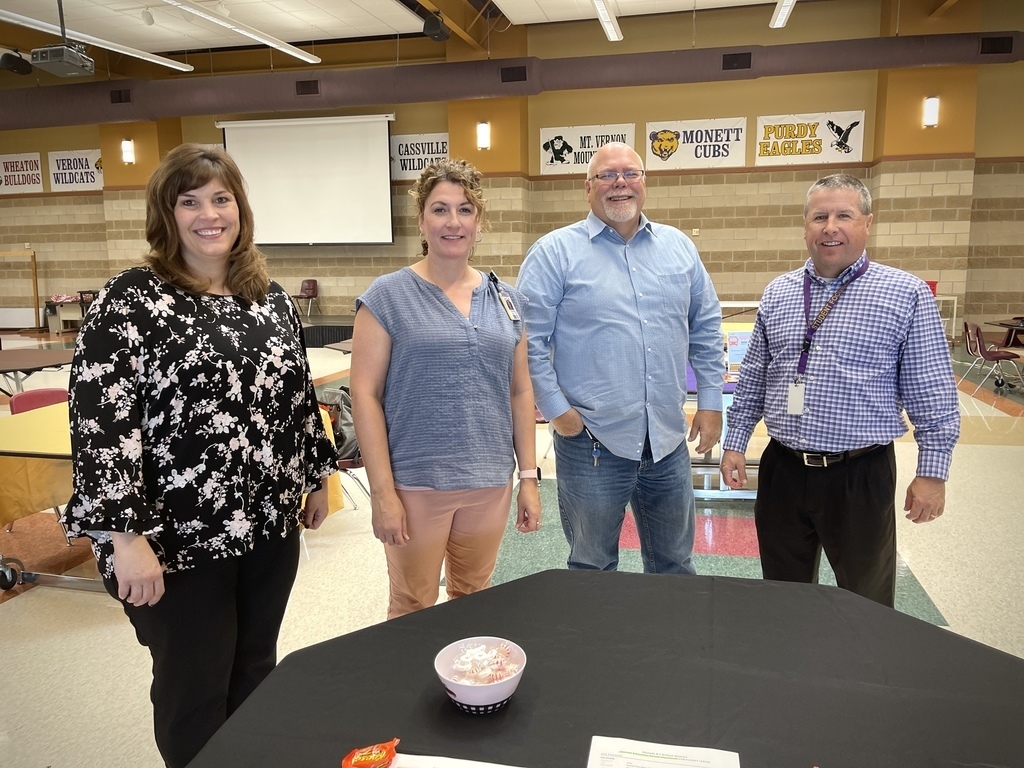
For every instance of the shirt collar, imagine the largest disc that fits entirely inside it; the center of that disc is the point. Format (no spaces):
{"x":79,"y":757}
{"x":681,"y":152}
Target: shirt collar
{"x":844,"y":276}
{"x":595,"y":226}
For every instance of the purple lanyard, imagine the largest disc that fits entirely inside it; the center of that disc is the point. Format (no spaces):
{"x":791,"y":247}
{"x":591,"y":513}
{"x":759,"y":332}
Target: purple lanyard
{"x":805,"y":351}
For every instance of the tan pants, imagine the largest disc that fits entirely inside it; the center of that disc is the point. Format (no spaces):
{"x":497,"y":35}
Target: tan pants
{"x":461,"y":528}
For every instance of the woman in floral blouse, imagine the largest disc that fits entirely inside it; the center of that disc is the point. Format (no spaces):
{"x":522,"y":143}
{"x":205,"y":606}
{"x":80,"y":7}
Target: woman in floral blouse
{"x":195,"y":431}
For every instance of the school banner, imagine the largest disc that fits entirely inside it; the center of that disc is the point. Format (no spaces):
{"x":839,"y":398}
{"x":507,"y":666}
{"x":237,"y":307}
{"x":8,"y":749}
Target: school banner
{"x":20,"y":174}
{"x":412,"y":152}
{"x":812,"y":139}
{"x":568,"y":149}
{"x":680,"y":144}
{"x":75,"y":171}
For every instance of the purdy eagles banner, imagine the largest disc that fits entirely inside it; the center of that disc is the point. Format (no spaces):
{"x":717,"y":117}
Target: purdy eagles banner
{"x":568,"y":149}
{"x":680,"y":144}
{"x":810,"y":139}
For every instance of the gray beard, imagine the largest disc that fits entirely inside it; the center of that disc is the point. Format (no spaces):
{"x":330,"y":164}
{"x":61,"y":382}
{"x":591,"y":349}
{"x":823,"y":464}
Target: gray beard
{"x":620,"y":212}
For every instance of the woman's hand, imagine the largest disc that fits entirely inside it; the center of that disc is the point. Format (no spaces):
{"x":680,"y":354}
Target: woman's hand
{"x":388,"y":519}
{"x":140,"y":577}
{"x":528,"y":506}
{"x":315,"y":510}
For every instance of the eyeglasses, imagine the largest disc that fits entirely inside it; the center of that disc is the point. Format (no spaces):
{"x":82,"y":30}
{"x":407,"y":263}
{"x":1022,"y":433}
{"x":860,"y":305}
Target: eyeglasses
{"x":609,"y":177}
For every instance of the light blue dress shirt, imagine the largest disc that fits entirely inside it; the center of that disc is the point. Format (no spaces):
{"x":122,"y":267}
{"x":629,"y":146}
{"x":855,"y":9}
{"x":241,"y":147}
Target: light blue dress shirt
{"x":881,"y":350}
{"x":610,"y":327}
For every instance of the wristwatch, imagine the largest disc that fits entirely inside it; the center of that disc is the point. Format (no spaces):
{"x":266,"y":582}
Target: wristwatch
{"x":530,"y":474}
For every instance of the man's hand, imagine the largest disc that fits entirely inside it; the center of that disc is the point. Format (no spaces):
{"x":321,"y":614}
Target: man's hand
{"x":708,"y":425}
{"x":926,"y":499}
{"x":734,"y":469}
{"x":569,"y":424}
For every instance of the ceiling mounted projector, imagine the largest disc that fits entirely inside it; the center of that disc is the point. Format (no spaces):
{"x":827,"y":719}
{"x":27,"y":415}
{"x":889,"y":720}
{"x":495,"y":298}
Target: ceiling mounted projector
{"x":63,"y":60}
{"x":12,"y":62}
{"x":435,"y":28}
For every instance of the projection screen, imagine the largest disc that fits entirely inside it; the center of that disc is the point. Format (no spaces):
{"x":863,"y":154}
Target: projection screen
{"x":316,"y":181}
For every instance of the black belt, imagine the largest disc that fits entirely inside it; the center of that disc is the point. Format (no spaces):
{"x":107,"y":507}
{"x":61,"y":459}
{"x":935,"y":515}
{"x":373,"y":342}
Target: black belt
{"x":827,"y":459}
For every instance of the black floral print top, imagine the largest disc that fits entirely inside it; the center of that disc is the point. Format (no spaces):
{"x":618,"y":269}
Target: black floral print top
{"x":193,"y":421}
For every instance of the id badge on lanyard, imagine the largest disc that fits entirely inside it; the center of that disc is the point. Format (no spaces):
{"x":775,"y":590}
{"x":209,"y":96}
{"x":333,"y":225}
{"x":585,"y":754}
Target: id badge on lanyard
{"x":506,"y":301}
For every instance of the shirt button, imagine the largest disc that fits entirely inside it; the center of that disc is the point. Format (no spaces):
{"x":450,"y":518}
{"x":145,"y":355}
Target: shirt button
{"x":649,"y":378}
{"x":640,"y":294}
{"x":807,"y":410}
{"x":649,"y":349}
{"x":634,"y":269}
{"x":810,"y":378}
{"x":645,"y":322}
{"x":803,"y":439}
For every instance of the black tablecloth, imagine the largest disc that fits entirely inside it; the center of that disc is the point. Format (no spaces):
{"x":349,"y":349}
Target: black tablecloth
{"x":787,"y":675}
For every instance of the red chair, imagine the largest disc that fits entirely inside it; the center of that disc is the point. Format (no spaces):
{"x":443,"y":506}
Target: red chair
{"x":29,"y":400}
{"x":309,"y":292}
{"x":974,"y":341}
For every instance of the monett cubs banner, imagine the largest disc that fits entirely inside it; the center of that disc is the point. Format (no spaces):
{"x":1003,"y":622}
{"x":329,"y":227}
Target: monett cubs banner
{"x":77,"y":170}
{"x":569,"y":149}
{"x":412,"y":152}
{"x":827,"y":137}
{"x":680,"y":144}
{"x":20,"y":174}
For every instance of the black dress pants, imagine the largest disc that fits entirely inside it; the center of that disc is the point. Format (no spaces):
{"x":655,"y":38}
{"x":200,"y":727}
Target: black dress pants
{"x":213,"y":639}
{"x":848,"y":509}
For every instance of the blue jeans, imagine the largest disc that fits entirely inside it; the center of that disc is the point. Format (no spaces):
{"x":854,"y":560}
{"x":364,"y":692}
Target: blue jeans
{"x":592,"y":504}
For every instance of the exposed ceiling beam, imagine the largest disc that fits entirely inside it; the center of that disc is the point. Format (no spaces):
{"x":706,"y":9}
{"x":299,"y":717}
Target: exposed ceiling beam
{"x":459,"y":16}
{"x":943,"y":6}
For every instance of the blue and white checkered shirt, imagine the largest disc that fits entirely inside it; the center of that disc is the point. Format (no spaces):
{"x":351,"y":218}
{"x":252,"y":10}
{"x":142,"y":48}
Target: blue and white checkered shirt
{"x":610,"y":326}
{"x":881,"y":350}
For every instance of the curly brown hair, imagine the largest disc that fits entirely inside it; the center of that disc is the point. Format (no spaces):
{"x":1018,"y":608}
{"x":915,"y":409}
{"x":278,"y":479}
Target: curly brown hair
{"x":457,"y":172}
{"x":188,"y":167}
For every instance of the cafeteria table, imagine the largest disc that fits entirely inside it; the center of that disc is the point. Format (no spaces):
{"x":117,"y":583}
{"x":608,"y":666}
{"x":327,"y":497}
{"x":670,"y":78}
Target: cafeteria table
{"x":35,"y":474}
{"x":18,"y":364}
{"x":785,"y":675}
{"x":1014,"y":329}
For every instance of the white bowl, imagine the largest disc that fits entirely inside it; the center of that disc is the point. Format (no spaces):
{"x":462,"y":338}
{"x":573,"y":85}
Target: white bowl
{"x":480,"y":698}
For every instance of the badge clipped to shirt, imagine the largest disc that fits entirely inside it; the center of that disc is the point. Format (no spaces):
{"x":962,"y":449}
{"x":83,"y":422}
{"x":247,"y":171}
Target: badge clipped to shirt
{"x":506,"y":300}
{"x":795,"y":399}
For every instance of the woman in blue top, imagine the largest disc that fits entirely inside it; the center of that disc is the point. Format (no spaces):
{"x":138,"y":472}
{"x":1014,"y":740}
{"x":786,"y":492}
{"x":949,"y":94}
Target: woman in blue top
{"x":442,"y":402}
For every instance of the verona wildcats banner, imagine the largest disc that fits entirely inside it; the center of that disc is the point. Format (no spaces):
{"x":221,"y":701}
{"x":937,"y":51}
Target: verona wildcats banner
{"x":810,"y":139}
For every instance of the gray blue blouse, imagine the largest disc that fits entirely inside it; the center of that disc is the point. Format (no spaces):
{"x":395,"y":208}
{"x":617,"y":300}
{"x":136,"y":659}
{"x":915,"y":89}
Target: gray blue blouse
{"x":447,"y":397}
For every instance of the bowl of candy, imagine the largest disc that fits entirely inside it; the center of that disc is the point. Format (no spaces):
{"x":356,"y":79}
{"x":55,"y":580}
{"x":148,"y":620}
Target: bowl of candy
{"x":480,"y":674}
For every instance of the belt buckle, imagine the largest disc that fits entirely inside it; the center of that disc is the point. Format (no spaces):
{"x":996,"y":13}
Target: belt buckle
{"x":815,"y":460}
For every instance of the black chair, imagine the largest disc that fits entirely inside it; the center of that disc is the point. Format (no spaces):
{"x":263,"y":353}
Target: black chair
{"x":309,"y":292}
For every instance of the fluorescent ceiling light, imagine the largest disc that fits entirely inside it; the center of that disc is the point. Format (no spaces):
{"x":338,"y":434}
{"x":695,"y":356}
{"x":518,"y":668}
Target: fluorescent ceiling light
{"x":244,"y":29}
{"x":608,"y":21}
{"x":53,"y":29}
{"x":782,"y":10}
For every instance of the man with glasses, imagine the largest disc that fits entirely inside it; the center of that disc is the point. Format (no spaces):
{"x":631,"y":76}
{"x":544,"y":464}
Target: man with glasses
{"x":617,"y":306}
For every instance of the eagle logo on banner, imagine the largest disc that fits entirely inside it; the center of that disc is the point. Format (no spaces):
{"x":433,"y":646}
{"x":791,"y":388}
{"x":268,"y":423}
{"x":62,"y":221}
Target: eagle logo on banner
{"x":842,"y":135}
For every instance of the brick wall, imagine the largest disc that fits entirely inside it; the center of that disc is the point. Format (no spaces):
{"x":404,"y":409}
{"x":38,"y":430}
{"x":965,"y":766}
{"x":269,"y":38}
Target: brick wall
{"x":954,"y":221}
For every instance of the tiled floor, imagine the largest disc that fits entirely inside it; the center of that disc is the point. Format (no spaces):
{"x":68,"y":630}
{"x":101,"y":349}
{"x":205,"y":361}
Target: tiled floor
{"x":73,"y":690}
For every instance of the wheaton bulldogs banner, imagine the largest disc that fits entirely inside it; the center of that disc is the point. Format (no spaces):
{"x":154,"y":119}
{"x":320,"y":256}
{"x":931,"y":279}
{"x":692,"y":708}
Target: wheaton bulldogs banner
{"x":826,"y":137}
{"x":569,"y":149}
{"x":412,"y":152}
{"x":20,"y":174}
{"x":679,"y":144}
{"x":77,"y":170}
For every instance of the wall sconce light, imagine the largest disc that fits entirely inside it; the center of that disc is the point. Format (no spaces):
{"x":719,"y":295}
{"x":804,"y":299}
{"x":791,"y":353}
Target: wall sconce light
{"x":931,"y":112}
{"x":128,"y":152}
{"x":483,"y":135}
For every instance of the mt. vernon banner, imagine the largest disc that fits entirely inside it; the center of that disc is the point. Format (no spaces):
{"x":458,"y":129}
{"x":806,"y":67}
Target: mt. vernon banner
{"x":568,"y":149}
